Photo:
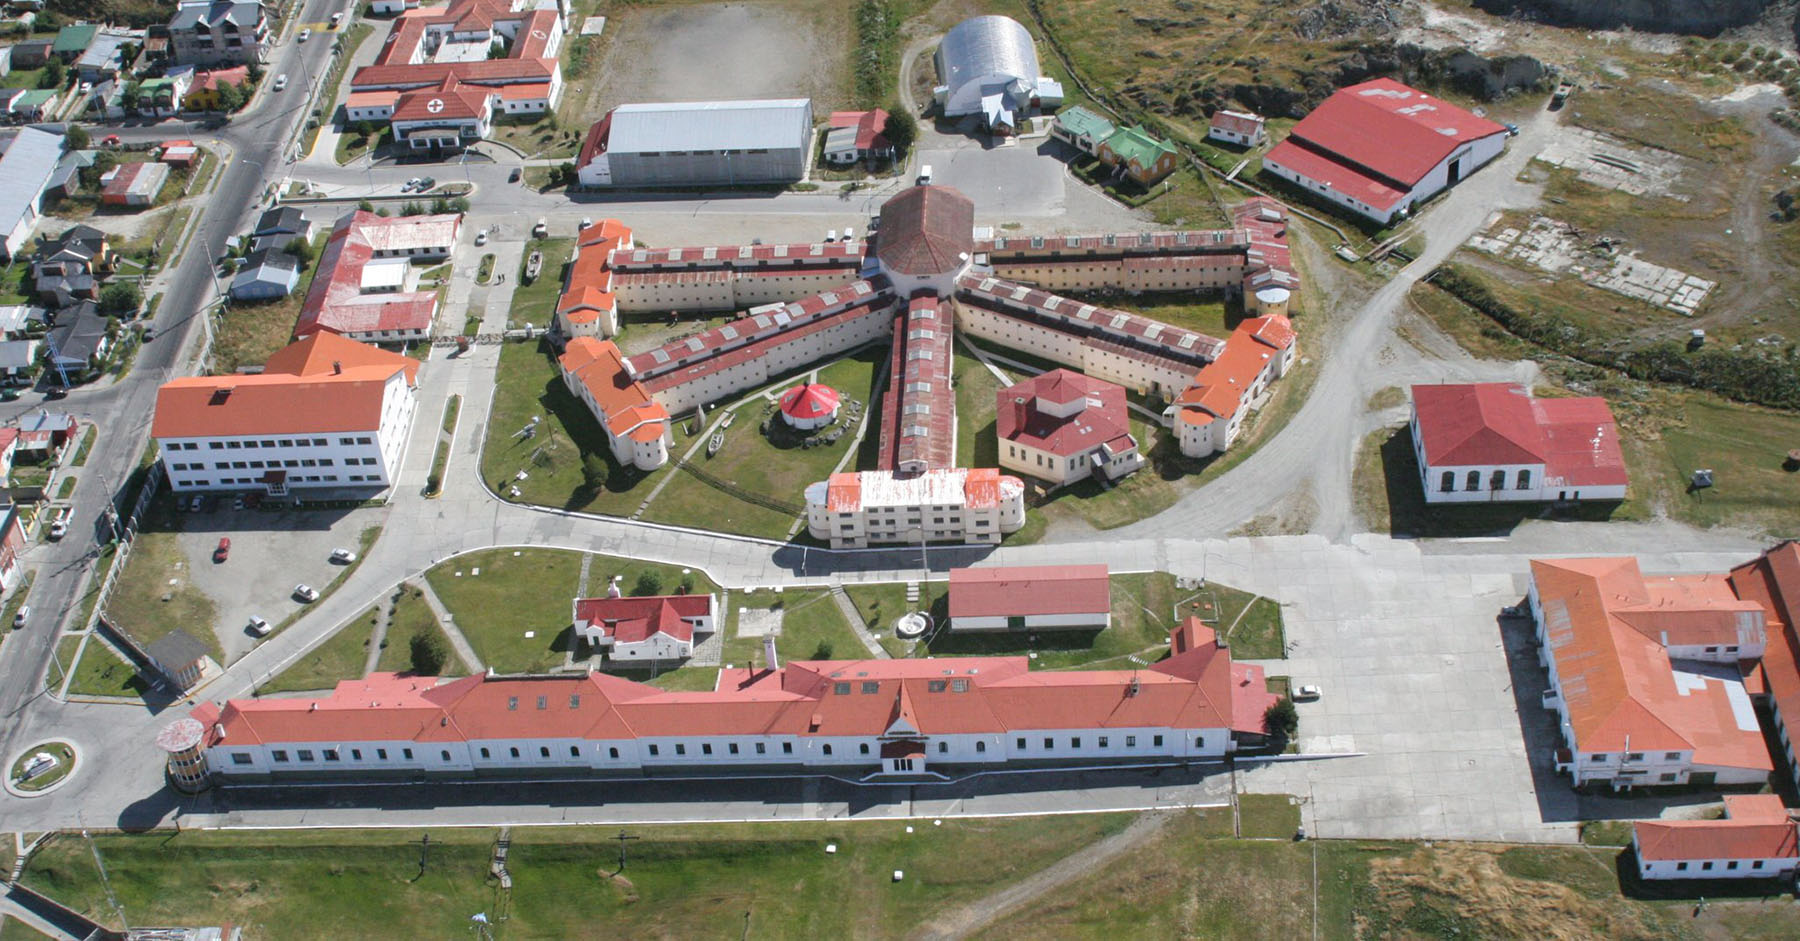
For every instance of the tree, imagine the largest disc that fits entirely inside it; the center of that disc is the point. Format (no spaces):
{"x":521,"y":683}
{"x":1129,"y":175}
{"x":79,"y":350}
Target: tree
{"x":365,"y":206}
{"x":1280,"y":719}
{"x":232,"y":96}
{"x":302,"y":249}
{"x":55,"y":74}
{"x":648,"y":583}
{"x":77,"y":137}
{"x":429,"y":653}
{"x":90,"y":175}
{"x":900,"y":130}
{"x":823,"y":651}
{"x":131,"y":97}
{"x":594,"y":471}
{"x":120,"y":297}
{"x":365,"y":129}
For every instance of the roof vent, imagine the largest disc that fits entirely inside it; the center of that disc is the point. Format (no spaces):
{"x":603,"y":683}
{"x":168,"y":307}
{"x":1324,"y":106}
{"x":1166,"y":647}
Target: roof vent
{"x":337,"y":367}
{"x":312,"y":707}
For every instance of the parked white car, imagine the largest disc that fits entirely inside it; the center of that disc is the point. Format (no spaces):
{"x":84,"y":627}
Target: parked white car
{"x":305,"y":34}
{"x":306,"y":593}
{"x":343,"y":556}
{"x":259,"y":626}
{"x":281,"y":81}
{"x":1307,"y":693}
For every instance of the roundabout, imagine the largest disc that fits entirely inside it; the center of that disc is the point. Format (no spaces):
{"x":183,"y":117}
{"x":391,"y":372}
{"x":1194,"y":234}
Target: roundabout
{"x":42,"y":768}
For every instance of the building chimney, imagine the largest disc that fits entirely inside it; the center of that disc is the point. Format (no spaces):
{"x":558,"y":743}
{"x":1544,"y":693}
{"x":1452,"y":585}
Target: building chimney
{"x":770,"y":660}
{"x":337,"y":367}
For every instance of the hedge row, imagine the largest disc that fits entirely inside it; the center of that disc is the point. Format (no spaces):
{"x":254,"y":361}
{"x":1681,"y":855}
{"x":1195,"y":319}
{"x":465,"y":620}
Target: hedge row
{"x":1765,"y":378}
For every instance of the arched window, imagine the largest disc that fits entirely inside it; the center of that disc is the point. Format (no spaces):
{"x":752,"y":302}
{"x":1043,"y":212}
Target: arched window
{"x":1474,"y":481}
{"x":1524,"y":480}
{"x":1497,"y":480}
{"x":980,"y":748}
{"x":1449,"y":482}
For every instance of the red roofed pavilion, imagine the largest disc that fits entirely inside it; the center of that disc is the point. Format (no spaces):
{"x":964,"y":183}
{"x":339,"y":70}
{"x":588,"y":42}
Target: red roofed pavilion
{"x":809,"y":405}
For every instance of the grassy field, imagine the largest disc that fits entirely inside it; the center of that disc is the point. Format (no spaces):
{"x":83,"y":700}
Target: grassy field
{"x":157,"y":570}
{"x":245,"y":334}
{"x":535,"y":301}
{"x":1216,"y":317}
{"x":410,"y":616}
{"x":812,"y":628}
{"x":530,"y":590}
{"x":774,"y":467}
{"x":766,"y":880}
{"x":526,"y":385}
{"x":100,"y":672}
{"x":340,"y":658}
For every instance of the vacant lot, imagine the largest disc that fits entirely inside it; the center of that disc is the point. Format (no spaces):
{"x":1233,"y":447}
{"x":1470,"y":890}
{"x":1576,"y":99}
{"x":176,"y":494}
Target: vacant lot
{"x":812,"y":628}
{"x":340,"y":658}
{"x":683,"y":51}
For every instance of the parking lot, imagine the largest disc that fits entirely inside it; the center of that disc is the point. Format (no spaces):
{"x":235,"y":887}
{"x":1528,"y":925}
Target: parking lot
{"x":297,"y":544}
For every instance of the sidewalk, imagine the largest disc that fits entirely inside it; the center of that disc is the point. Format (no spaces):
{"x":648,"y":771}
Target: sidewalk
{"x":447,"y":621}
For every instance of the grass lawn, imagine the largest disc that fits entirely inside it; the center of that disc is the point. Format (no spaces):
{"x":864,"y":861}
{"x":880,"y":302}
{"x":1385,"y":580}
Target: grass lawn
{"x":522,"y":590}
{"x":542,"y":139}
{"x":774,"y":466}
{"x":683,"y":881}
{"x":66,"y":648}
{"x":1143,"y":612}
{"x":1191,"y":310}
{"x":158,"y":570}
{"x":976,"y":389}
{"x":1267,"y":816}
{"x":1606,"y":833}
{"x":411,"y":615}
{"x":100,"y":672}
{"x":90,"y":595}
{"x":85,"y":447}
{"x":245,"y":334}
{"x":351,"y":145}
{"x":687,"y":679}
{"x":526,"y":385}
{"x":812,"y":628}
{"x":881,"y":605}
{"x":535,"y":301}
{"x":340,"y":658}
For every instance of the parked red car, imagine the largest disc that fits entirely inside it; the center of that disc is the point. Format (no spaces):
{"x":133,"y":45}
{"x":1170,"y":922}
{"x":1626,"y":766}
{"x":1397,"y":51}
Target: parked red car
{"x":224,"y":551}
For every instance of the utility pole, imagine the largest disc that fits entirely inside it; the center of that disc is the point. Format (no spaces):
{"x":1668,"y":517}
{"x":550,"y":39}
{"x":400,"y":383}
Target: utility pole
{"x":105,"y":882}
{"x":622,"y":838}
{"x":424,"y":856}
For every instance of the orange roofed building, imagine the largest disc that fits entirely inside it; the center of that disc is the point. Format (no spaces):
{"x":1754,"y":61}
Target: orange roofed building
{"x":1645,"y":674}
{"x":325,"y":412}
{"x":867,"y":717}
{"x":587,"y":306}
{"x":637,"y":426}
{"x":1756,"y":840}
{"x":974,"y":506}
{"x":1773,"y":581}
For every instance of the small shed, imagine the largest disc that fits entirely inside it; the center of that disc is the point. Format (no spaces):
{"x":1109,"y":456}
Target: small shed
{"x":133,"y":184}
{"x":809,"y":405}
{"x":179,"y":657}
{"x":266,"y":275}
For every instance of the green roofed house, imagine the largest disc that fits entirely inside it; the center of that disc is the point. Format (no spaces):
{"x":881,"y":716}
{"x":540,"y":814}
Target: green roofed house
{"x":72,"y":41}
{"x":35,"y":104}
{"x":1082,"y":129}
{"x":1141,"y":157}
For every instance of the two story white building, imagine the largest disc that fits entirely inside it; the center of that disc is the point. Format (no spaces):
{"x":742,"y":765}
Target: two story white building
{"x":325,"y":412}
{"x":1492,"y":442}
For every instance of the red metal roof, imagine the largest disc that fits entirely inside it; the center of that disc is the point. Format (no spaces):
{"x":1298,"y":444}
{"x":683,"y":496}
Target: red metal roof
{"x":1390,"y":131}
{"x":809,"y":400}
{"x":1756,"y":826}
{"x":450,"y":100}
{"x":1100,"y":414}
{"x":633,"y":620}
{"x":1772,"y":580}
{"x":926,"y":230}
{"x":918,"y":409}
{"x":336,"y":301}
{"x":868,"y":126}
{"x":1236,"y":122}
{"x":1499,"y":424}
{"x":1024,"y":590}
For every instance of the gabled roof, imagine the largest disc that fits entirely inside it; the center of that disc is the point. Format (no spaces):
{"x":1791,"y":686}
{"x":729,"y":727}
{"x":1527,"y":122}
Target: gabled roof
{"x":1756,"y":826}
{"x":321,"y":384}
{"x":1080,"y":122}
{"x":1135,"y":145}
{"x":1100,"y":419}
{"x":1772,"y":580}
{"x":336,"y":301}
{"x":1023,"y":590}
{"x":626,"y":408}
{"x":1385,"y":128}
{"x":633,"y":620}
{"x":774,"y":124}
{"x":1237,"y":122}
{"x":1500,"y":424}
{"x":926,"y":230}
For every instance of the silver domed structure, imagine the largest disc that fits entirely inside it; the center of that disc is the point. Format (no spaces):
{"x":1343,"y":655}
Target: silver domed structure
{"x":989,"y":67}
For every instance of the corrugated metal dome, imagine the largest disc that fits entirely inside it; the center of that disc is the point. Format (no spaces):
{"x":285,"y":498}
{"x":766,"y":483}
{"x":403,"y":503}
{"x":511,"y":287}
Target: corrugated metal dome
{"x":985,"y":51}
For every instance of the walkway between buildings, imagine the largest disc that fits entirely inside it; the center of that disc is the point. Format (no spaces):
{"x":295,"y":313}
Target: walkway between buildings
{"x":448,"y":622}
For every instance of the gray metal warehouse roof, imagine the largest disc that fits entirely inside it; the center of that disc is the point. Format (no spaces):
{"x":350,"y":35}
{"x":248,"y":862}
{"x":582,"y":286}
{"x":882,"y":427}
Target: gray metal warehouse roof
{"x":24,"y":171}
{"x":711,"y":125}
{"x":986,"y":48}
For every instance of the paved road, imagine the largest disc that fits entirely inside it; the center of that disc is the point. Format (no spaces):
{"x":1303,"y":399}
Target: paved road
{"x":254,"y":143}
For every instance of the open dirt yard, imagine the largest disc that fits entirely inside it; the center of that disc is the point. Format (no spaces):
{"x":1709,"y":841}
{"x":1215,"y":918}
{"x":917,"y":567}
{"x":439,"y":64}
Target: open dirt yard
{"x":681,"y":51}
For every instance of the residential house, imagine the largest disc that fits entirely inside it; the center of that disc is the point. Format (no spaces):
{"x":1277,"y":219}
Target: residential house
{"x":66,"y":180}
{"x":1237,"y":127}
{"x":19,"y":360}
{"x":203,"y":93}
{"x":178,"y":153}
{"x":32,"y":53}
{"x":81,"y":337}
{"x":104,"y":58}
{"x":73,"y":40}
{"x":1062,"y":427}
{"x":1082,"y":129}
{"x":657,"y":628}
{"x":1756,"y":839}
{"x":1030,"y":598}
{"x":165,"y":96}
{"x":181,"y":658}
{"x":66,"y":268}
{"x":1139,"y":155}
{"x":360,"y":289}
{"x":265,"y":275}
{"x":857,"y":135}
{"x":36,"y":104}
{"x":219,"y":32}
{"x":1493,"y":442}
{"x":1644,"y":677}
{"x":325,"y":412}
{"x":10,"y":97}
{"x":41,"y":434}
{"x":851,"y":717}
{"x":133,"y":184}
{"x":17,"y":320}
{"x":278,"y":228}
{"x":25,"y":172}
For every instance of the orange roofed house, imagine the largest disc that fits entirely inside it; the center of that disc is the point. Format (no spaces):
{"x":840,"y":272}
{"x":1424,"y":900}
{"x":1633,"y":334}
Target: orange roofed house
{"x":1773,"y":581}
{"x":325,"y":412}
{"x":1645,"y":674}
{"x":1756,"y":840}
{"x":637,"y":426}
{"x":866,"y":717}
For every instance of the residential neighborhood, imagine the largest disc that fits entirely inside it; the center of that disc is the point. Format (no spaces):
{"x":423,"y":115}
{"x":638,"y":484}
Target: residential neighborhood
{"x":494,"y":467}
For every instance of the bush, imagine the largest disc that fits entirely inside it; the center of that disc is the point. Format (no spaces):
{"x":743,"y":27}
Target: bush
{"x":77,"y":137}
{"x":120,"y":297}
{"x":1281,"y":720}
{"x":901,"y":129}
{"x":429,"y":653}
{"x":594,"y":472}
{"x":649,"y":583}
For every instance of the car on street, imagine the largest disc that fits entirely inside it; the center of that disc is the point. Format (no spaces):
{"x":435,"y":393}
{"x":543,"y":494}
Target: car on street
{"x":56,"y":392}
{"x":223,"y":552}
{"x":343,"y":556}
{"x":259,"y":626}
{"x":1512,"y":130}
{"x":281,"y":81}
{"x":19,"y":619}
{"x":305,"y":34}
{"x":427,"y":183}
{"x":59,"y":529}
{"x":306,"y":593}
{"x":1307,"y":693}
{"x":481,"y":237}
{"x":540,"y":230}
{"x":514,"y":176}
{"x":336,"y":19}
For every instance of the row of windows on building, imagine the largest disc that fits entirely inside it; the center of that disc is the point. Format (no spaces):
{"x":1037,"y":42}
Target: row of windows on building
{"x":1730,"y":864}
{"x":1496,"y":481}
{"x":261,"y":465}
{"x":293,"y":479}
{"x":1633,"y":756}
{"x":270,"y":443}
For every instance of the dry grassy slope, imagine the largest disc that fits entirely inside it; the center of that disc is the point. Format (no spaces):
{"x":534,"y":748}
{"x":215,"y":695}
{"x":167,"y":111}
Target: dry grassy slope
{"x":1700,"y":17}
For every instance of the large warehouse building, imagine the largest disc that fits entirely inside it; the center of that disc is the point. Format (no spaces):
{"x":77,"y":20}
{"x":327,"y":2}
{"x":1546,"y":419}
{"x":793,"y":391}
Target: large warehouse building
{"x":698,"y":143}
{"x":1380,"y":148}
{"x":989,"y":67}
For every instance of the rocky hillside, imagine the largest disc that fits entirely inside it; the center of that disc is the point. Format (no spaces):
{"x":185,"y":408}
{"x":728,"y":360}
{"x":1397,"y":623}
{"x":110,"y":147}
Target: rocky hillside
{"x":1698,"y":17}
